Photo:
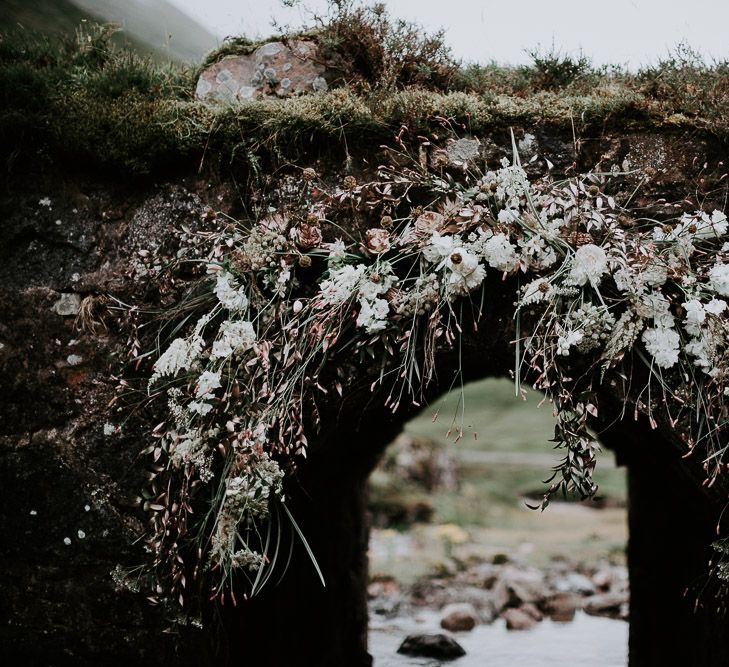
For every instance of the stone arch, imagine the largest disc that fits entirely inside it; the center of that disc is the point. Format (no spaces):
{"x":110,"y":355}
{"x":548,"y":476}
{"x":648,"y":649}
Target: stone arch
{"x":53,"y":422}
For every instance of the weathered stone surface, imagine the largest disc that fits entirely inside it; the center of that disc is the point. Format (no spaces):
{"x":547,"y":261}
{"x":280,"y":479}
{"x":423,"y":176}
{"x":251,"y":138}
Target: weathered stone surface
{"x":67,"y":304}
{"x":59,"y":605}
{"x":459,"y":617}
{"x":463,"y":152}
{"x":275,"y":68}
{"x":431,"y":646}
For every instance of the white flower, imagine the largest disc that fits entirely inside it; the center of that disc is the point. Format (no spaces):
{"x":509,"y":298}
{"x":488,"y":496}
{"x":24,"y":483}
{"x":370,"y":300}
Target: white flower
{"x":537,"y":253}
{"x":625,"y":281}
{"x":208,"y":382}
{"x":697,"y":226}
{"x":466,"y":273}
{"x":698,"y":348}
{"x":109,"y":429}
{"x":373,"y":314}
{"x":282,"y":280}
{"x":439,"y":248}
{"x":45,"y":202}
{"x":588,"y":265}
{"x":229,"y":296}
{"x":715,"y":306}
{"x":177,"y":357}
{"x":719,"y":279}
{"x":655,"y":274}
{"x":341,"y":284}
{"x":499,"y":253}
{"x":695,"y":316}
{"x":233,"y":338}
{"x":655,"y":306}
{"x":568,"y":340}
{"x":199,"y":407}
{"x":535,"y":291}
{"x":377,"y":282}
{"x":337,"y":250}
{"x":662,"y":344}
{"x":506,"y":216}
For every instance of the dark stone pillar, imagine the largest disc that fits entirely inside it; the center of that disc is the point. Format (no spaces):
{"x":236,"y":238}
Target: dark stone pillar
{"x":672,"y":523}
{"x":298,"y":622}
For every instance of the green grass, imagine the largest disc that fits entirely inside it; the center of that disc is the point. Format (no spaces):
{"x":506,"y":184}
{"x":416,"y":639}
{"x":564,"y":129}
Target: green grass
{"x":503,"y":454}
{"x":82,"y":100}
{"x":492,"y":419}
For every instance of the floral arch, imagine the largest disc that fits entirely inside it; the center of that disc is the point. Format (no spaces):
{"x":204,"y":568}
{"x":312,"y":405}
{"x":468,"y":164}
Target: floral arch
{"x":346,"y":305}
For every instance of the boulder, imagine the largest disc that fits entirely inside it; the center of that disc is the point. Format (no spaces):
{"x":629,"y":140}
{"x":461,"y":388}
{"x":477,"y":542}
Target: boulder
{"x":274,"y":68}
{"x":517,"y":587}
{"x":561,"y":607}
{"x":438,"y":646}
{"x":459,"y":617}
{"x":613,"y":605}
{"x":518,"y":619}
{"x":574,"y":582}
{"x":532,"y":610}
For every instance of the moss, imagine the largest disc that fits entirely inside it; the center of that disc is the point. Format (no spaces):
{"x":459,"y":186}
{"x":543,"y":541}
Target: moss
{"x":86,"y":99}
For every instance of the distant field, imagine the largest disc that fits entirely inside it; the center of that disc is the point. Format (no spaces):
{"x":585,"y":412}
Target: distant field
{"x":503,"y":455}
{"x":504,"y":428}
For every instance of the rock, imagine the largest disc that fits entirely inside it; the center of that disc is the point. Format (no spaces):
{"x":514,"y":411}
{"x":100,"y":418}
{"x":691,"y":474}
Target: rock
{"x":483,"y":575}
{"x":463,"y":152}
{"x":518,"y":619}
{"x":602,"y":579}
{"x":561,"y":607}
{"x":574,"y":582}
{"x":459,"y":617}
{"x":431,"y":646}
{"x":613,"y":605}
{"x":532,"y":610}
{"x":274,"y":68}
{"x":68,"y":304}
{"x":516,"y":587}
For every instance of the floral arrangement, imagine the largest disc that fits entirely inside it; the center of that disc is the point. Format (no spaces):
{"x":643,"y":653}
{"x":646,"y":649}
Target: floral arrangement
{"x":594,"y":285}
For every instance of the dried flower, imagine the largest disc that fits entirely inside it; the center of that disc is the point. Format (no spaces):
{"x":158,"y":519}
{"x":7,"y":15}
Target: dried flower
{"x":378,"y":240}
{"x":308,"y":236}
{"x":349,"y":183}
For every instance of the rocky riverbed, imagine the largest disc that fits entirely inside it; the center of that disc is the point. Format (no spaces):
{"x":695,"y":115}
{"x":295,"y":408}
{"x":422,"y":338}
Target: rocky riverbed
{"x":503,"y":613}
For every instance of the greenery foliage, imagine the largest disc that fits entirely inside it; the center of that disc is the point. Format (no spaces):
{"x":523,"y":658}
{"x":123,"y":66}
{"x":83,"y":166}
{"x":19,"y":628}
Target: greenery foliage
{"x":82,"y":97}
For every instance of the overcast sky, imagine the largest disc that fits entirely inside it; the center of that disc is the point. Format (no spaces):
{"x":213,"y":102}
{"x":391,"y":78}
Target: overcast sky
{"x":629,"y":32}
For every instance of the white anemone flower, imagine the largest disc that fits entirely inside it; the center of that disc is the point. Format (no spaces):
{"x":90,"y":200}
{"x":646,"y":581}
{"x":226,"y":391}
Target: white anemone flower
{"x":589,"y":265}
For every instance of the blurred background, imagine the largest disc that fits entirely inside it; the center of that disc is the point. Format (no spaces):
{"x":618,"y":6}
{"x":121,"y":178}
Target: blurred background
{"x":632,"y":33}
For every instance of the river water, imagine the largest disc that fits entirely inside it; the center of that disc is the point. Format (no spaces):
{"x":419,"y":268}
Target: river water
{"x":588,"y":640}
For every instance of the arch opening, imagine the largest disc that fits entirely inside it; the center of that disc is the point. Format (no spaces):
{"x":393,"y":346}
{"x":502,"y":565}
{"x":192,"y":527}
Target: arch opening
{"x":454,"y":543}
